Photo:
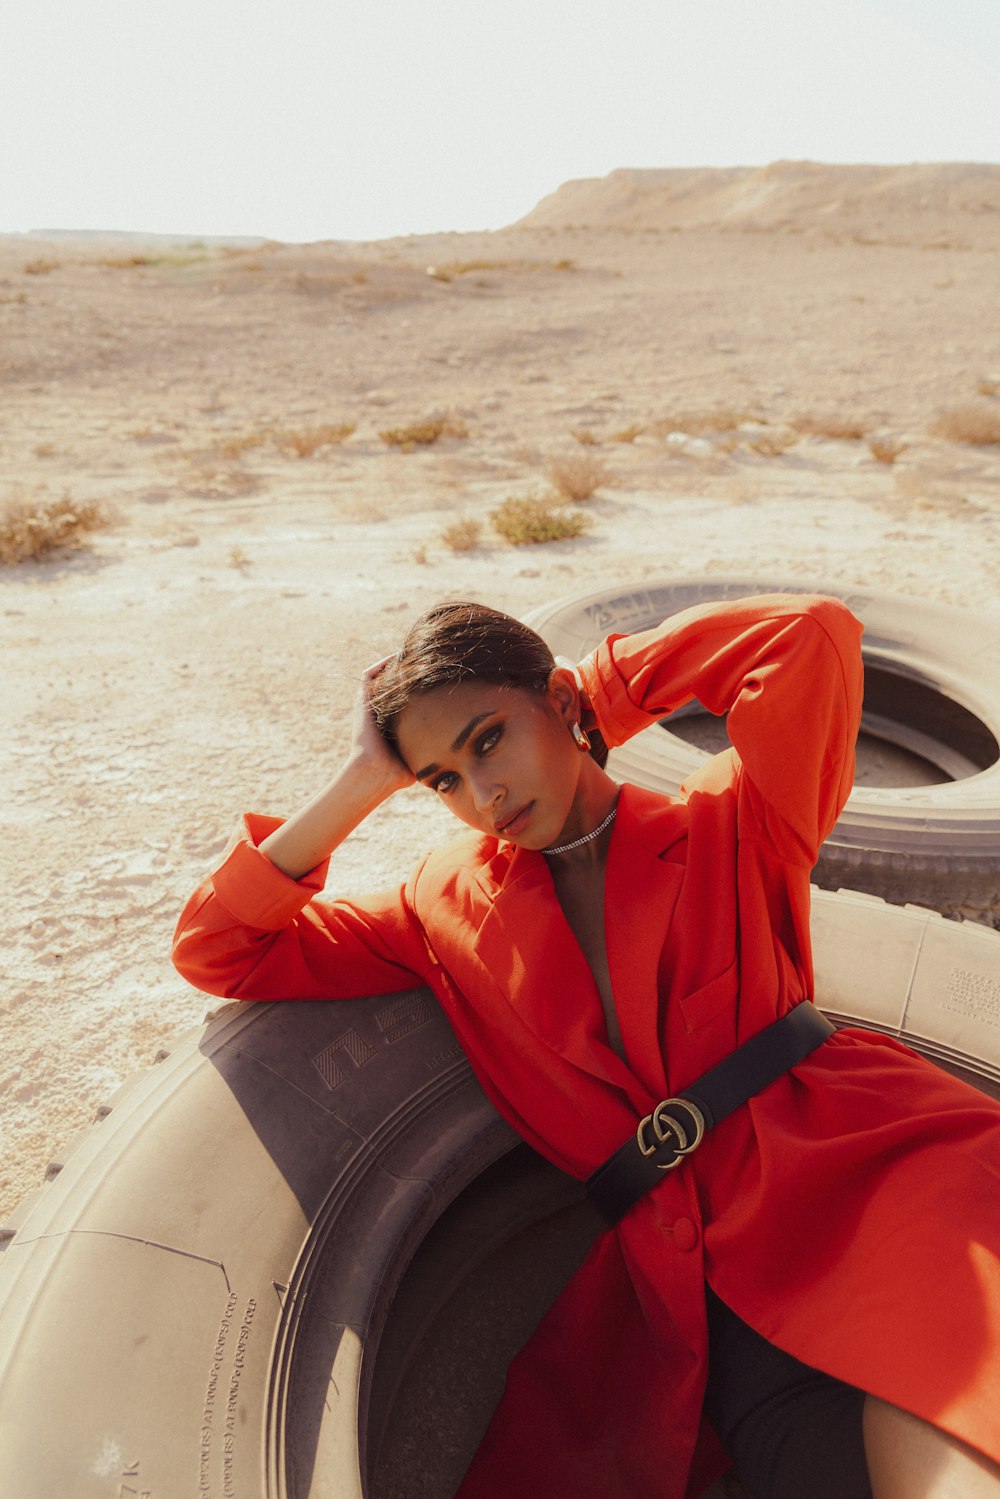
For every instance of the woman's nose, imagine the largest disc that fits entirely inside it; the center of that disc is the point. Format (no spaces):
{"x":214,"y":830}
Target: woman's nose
{"x":485,"y":792}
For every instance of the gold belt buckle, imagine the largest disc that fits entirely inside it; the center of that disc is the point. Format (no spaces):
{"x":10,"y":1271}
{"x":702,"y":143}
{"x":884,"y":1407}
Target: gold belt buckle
{"x":664,"y":1125}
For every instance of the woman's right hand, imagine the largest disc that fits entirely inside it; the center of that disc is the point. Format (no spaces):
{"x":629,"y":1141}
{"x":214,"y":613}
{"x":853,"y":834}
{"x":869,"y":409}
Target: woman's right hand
{"x":368,"y":746}
{"x":372,"y":773}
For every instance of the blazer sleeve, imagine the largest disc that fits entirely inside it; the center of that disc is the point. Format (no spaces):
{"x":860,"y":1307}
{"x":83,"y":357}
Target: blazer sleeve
{"x":251,"y":932}
{"x":787,"y":671}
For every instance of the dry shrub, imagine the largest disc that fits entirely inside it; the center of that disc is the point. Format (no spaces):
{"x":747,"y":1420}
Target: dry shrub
{"x":124,"y":262}
{"x":137,"y":262}
{"x":30,"y":529}
{"x":979,"y":425}
{"x":309,"y":440}
{"x":463,"y":534}
{"x":465,"y":267}
{"x":454,"y":268}
{"x":773,"y":444}
{"x":837,"y":428}
{"x":587,"y":438}
{"x":423,"y":434}
{"x":235,"y":447}
{"x":885,"y":449}
{"x":41,"y":267}
{"x":303,"y":442}
{"x":531,"y":519}
{"x":578,"y":475}
{"x":710,"y":419}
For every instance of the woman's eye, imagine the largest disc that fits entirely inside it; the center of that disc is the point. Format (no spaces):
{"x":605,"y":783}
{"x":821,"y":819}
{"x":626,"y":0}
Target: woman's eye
{"x":445,"y":783}
{"x":490,"y":739}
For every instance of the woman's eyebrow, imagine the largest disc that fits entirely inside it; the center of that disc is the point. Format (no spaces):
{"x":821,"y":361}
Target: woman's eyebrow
{"x":463,"y":734}
{"x":460,"y":738}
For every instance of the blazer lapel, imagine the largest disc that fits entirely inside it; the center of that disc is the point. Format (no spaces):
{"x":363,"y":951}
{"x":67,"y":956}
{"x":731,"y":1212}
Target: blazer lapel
{"x":529,"y":951}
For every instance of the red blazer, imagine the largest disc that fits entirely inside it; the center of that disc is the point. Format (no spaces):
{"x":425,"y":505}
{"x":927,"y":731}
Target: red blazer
{"x":827,"y":1212}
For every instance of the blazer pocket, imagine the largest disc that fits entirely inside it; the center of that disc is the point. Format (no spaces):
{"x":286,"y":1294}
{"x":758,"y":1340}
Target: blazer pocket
{"x":718,"y":997}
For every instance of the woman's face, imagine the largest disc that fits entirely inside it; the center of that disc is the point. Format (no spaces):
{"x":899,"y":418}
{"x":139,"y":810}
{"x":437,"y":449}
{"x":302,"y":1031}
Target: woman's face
{"x":501,"y":758}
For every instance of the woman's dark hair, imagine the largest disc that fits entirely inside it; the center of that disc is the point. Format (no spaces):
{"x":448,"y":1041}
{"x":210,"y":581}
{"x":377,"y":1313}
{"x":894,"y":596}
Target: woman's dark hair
{"x":453,"y":642}
{"x":459,"y":642}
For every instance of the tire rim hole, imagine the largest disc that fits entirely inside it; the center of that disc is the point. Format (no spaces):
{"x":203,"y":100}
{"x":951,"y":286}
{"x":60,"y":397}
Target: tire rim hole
{"x":471,"y":1296}
{"x":912,"y":734}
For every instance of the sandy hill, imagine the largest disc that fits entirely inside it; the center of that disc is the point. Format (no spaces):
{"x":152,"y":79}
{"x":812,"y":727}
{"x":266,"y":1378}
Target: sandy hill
{"x":951,"y":203}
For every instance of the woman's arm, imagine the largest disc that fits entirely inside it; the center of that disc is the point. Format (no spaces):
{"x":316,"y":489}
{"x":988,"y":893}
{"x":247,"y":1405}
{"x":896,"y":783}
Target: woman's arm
{"x":785,"y":668}
{"x":253,"y":930}
{"x":371,"y":773}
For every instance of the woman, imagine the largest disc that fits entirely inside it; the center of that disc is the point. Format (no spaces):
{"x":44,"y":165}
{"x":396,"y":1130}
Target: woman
{"x":827,"y":1259}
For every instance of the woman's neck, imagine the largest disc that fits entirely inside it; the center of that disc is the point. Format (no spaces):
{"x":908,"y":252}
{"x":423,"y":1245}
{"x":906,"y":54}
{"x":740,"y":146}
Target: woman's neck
{"x":586,"y":835}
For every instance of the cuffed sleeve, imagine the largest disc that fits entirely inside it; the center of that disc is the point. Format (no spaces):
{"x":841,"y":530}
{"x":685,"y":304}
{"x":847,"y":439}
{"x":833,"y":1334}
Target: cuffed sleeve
{"x":786,"y":669}
{"x":251,"y":932}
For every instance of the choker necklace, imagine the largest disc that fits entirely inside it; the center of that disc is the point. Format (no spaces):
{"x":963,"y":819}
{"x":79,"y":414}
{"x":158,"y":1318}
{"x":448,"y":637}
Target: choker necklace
{"x":562,"y":848}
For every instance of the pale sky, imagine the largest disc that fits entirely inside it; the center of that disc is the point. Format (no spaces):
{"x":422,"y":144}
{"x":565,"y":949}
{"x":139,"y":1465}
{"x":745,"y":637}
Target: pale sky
{"x":364,"y":119}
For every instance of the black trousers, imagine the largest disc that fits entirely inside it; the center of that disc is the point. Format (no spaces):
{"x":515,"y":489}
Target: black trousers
{"x":792,"y":1432}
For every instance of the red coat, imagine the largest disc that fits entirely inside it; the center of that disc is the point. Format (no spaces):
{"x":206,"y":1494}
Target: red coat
{"x":850,"y":1212}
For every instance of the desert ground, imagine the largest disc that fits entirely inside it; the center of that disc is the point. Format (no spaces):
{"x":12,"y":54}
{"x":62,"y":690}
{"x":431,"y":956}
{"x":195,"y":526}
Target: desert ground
{"x":750,"y":369}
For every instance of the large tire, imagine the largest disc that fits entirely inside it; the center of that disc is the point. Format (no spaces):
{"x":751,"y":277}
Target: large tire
{"x":932,"y":708}
{"x":218,"y":1293}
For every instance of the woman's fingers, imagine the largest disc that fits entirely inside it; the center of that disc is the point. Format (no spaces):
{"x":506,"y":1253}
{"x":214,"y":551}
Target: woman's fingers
{"x":368,"y":737}
{"x":376,"y":669}
{"x":568,"y":665}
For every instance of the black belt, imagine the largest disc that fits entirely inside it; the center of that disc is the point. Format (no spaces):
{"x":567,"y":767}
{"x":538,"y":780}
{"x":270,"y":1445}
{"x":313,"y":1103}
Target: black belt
{"x":678,"y":1125}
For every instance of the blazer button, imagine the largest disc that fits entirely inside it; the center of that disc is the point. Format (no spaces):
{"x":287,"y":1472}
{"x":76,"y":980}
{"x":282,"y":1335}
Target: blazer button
{"x":685,"y":1234}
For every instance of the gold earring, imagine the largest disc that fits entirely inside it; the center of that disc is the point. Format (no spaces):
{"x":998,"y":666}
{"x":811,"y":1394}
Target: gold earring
{"x":580,"y":737}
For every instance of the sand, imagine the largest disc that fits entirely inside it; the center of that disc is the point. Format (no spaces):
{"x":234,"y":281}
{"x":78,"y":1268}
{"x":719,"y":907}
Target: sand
{"x":198,"y":656}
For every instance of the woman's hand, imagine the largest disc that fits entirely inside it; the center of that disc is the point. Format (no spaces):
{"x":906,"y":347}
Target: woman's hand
{"x":370,"y":774}
{"x":368,"y":748}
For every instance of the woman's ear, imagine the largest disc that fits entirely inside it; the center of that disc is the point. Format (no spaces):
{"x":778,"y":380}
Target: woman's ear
{"x":563,"y":692}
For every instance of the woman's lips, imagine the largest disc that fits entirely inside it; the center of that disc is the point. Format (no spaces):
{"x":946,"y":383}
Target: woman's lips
{"x":515,"y":824}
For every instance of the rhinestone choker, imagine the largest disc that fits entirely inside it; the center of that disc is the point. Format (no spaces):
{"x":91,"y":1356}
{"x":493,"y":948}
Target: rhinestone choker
{"x":563,"y":848}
